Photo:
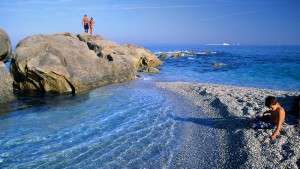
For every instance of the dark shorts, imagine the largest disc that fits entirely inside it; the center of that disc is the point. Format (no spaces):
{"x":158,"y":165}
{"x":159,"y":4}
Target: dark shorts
{"x":264,"y":122}
{"x":266,"y":119}
{"x":86,"y":26}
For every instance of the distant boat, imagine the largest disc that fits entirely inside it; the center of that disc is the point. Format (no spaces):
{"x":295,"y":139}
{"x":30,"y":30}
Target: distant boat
{"x":226,"y":44}
{"x":221,"y":44}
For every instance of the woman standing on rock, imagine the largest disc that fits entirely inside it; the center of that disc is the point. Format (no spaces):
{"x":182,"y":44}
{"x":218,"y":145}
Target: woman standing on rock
{"x":92,"y":24}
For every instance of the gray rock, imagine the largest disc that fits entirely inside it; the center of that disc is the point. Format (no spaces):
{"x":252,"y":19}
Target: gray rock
{"x":66,"y":63}
{"x":163,"y":56}
{"x":140,"y":57}
{"x":6,"y":81}
{"x":151,"y":70}
{"x":5,"y":45}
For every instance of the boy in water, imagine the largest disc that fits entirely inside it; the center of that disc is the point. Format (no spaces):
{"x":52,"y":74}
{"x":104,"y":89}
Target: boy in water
{"x":85,"y":23}
{"x":275,"y":115}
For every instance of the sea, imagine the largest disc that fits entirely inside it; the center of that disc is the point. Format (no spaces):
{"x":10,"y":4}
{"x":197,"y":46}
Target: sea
{"x":130,"y":125}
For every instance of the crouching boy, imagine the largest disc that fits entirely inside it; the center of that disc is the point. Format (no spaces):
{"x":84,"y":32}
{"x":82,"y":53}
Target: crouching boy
{"x":275,"y":115}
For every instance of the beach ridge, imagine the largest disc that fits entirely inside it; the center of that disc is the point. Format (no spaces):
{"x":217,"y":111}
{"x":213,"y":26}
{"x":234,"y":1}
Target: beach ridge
{"x":247,"y":147}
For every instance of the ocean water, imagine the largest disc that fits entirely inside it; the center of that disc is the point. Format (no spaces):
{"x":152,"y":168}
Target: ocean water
{"x":273,"y":67}
{"x":130,"y":125}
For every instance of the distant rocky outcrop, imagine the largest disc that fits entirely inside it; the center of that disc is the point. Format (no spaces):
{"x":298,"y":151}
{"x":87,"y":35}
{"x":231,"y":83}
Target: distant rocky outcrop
{"x":179,"y":54}
{"x":68,"y":63}
{"x":6,"y":90}
{"x":5,"y":45}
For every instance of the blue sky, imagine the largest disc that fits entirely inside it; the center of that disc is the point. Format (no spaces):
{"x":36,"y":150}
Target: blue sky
{"x":185,"y":22}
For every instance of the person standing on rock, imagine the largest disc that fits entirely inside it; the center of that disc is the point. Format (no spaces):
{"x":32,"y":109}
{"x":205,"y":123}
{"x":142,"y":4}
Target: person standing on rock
{"x":92,"y":24}
{"x":85,"y":23}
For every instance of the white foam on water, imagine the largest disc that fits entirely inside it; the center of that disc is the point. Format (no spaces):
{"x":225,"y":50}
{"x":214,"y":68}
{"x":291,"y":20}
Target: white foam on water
{"x":147,"y":78}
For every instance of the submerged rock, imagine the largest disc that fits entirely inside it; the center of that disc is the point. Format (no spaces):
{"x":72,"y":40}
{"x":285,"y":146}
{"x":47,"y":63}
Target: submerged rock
{"x":66,"y":63}
{"x":218,"y":65}
{"x":6,"y":81}
{"x":5,"y":45}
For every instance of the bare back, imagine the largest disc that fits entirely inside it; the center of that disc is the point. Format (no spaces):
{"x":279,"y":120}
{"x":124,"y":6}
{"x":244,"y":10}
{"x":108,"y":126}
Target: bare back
{"x":278,"y":115}
{"x":92,"y":23}
{"x":85,"y":20}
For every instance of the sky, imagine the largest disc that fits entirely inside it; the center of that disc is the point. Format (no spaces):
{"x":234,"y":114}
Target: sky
{"x":159,"y":22}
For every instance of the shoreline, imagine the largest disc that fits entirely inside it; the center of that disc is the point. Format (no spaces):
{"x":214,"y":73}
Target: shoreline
{"x":246,"y":147}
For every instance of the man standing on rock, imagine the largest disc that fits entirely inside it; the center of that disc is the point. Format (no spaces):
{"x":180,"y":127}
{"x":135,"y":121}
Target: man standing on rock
{"x":85,"y":23}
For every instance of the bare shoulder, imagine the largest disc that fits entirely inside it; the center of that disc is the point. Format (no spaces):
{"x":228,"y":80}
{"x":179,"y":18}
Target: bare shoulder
{"x":281,"y":110}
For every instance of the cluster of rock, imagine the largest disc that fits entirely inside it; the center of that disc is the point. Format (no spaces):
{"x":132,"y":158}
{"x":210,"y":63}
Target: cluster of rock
{"x":69,"y":63}
{"x":177,"y":54}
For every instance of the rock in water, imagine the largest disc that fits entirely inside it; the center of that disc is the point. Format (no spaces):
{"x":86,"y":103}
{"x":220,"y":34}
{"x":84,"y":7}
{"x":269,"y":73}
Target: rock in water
{"x":5,"y":45}
{"x":218,"y":65}
{"x":6,"y":81}
{"x":65,"y":63}
{"x":151,"y":70}
{"x":163,"y":56}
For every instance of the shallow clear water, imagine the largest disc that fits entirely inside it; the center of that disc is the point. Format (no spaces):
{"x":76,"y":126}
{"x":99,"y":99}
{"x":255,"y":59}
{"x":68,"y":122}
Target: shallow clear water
{"x":123,"y":125}
{"x":129,"y":124}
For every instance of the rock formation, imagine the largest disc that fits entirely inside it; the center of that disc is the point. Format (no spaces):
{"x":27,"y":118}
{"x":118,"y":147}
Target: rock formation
{"x":66,"y":63}
{"x":5,"y":45}
{"x":141,"y":58}
{"x":6,"y":90}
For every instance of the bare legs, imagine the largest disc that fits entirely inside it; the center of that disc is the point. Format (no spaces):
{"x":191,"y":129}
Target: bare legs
{"x":91,"y":30}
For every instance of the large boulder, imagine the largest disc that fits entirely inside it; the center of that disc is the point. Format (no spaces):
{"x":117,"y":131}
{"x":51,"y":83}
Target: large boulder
{"x":5,"y":45}
{"x":66,"y":63}
{"x":6,"y":81}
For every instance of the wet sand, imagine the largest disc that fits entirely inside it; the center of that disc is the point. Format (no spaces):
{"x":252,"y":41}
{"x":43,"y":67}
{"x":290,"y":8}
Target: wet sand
{"x":228,"y":113}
